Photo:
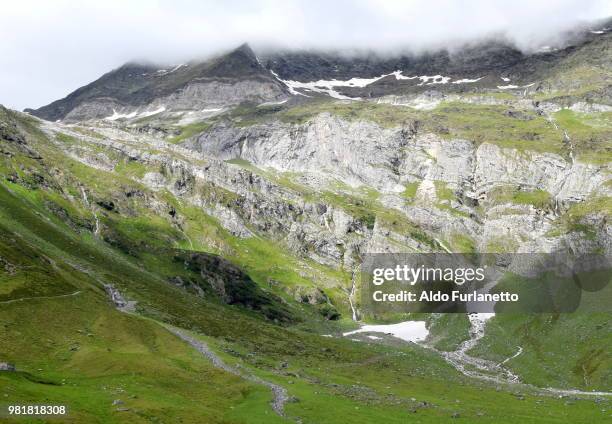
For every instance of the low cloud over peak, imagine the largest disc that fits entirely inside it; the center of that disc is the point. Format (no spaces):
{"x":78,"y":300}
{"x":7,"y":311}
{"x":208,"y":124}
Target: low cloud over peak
{"x":50,"y":48}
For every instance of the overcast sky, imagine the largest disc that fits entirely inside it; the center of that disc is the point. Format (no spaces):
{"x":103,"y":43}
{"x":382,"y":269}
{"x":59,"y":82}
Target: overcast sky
{"x":50,"y":48}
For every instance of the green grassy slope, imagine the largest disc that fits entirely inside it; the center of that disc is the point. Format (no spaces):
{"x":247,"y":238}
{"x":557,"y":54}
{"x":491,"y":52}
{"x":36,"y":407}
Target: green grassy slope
{"x":72,"y":347}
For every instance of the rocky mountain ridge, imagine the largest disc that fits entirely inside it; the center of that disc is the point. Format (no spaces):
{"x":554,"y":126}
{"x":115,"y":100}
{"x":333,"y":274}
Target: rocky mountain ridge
{"x":136,"y":91}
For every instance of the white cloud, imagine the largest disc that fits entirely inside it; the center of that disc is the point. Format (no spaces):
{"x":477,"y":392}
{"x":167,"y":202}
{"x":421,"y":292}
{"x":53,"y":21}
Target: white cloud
{"x":50,"y":48}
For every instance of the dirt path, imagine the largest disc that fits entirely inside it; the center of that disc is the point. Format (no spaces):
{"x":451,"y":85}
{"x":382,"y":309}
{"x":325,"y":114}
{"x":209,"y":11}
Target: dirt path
{"x":279,"y":392}
{"x":41,"y":297}
{"x":280,"y":396}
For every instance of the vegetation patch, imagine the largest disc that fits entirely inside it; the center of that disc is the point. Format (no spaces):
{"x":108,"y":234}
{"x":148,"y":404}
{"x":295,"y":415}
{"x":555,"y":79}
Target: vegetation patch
{"x":539,"y":199}
{"x":589,"y":133}
{"x":189,"y":131}
{"x":462,"y":243}
{"x":410,"y":191}
{"x":574,"y":219}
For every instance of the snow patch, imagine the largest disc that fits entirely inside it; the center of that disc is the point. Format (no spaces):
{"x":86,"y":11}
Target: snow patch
{"x":506,"y":87}
{"x":323,"y":86}
{"x":547,"y":49}
{"x":398,"y":76}
{"x":116,"y":115}
{"x":435,"y":79}
{"x":467,"y":80}
{"x":511,"y":86}
{"x":134,"y":114}
{"x":152,"y":112}
{"x":327,"y":86}
{"x":410,"y":331}
{"x":272,"y":103}
{"x":505,"y":79}
{"x":177,"y":67}
{"x":161,"y":72}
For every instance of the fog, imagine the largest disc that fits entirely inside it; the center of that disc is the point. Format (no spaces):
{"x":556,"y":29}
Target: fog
{"x":48,"y":49}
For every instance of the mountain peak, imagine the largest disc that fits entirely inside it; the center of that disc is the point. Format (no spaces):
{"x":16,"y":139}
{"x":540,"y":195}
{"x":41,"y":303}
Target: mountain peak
{"x":246,"y":49}
{"x":239,"y":62}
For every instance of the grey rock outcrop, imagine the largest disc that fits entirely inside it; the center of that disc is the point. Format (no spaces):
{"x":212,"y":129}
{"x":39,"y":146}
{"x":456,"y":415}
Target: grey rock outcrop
{"x":5,"y":366}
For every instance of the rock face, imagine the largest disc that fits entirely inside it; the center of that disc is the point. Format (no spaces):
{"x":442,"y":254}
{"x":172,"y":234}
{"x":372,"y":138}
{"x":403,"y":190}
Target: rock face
{"x":364,"y":153}
{"x":118,"y":300}
{"x":357,"y":152}
{"x":454,"y":180}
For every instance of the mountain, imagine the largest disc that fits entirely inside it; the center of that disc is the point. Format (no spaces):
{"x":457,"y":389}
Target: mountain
{"x":492,"y":56}
{"x":486,"y":65}
{"x":137,"y":91}
{"x":185,"y":244}
{"x":231,"y":78}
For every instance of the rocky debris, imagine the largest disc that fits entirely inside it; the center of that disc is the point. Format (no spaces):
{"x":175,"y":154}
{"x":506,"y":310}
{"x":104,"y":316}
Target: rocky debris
{"x":316,"y":296}
{"x":518,"y":115}
{"x":6,"y":366}
{"x":9,"y":268}
{"x":310,"y":295}
{"x":10,"y":132}
{"x":109,"y":205}
{"x":188,"y":285}
{"x":118,"y":300}
{"x":155,"y":180}
{"x":230,"y":219}
{"x":590,"y":107}
{"x":158,"y":131}
{"x":327,"y":143}
{"x":477,"y":367}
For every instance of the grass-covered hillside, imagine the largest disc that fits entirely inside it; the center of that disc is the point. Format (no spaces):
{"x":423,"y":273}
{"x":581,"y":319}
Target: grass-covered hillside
{"x":70,"y":229}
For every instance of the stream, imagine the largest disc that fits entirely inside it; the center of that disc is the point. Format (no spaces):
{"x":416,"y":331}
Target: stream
{"x":479,"y":368}
{"x":93,"y":210}
{"x":351,"y":297}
